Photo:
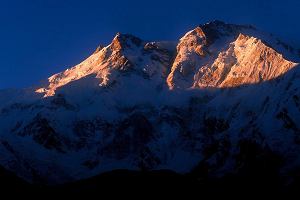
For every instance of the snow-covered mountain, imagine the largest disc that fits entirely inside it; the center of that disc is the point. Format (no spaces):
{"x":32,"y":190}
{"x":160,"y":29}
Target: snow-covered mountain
{"x":201,"y":102}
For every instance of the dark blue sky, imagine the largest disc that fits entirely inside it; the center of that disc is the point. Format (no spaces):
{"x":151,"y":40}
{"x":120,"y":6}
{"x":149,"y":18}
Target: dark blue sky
{"x":39,"y":38}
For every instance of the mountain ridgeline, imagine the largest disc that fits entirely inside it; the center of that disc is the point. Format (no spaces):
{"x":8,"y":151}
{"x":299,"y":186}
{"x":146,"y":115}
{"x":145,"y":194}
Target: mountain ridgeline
{"x":223,"y":100}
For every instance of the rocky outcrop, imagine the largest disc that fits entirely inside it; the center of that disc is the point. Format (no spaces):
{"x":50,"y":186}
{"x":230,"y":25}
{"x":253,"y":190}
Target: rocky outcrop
{"x":247,"y":61}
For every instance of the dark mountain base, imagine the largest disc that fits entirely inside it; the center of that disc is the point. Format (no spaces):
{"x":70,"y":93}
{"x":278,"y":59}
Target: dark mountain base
{"x":123,"y":182}
{"x":168,"y":182}
{"x":10,"y":182}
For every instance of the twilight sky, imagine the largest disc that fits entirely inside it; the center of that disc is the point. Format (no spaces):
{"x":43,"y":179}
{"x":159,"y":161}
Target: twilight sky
{"x":42,"y":37}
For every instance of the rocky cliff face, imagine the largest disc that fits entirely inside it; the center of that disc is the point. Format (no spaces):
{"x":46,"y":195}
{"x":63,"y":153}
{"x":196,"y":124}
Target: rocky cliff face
{"x":247,"y":61}
{"x":221,"y":98}
{"x":126,"y":54}
{"x":219,"y":55}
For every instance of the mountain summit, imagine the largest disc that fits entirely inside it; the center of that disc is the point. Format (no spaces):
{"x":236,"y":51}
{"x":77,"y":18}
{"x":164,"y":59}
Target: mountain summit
{"x":215,"y":54}
{"x":197,"y":104}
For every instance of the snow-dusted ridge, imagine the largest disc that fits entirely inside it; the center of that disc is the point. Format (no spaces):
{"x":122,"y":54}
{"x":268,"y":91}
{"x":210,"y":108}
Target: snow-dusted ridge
{"x":158,"y":105}
{"x":198,"y":51}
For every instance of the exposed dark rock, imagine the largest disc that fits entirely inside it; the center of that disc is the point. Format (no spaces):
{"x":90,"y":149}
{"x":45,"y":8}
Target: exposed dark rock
{"x":60,"y":101}
{"x":287,"y":120}
{"x":122,"y":41}
{"x":42,"y":133}
{"x":213,"y":125}
{"x":257,"y":160}
{"x":131,"y":136}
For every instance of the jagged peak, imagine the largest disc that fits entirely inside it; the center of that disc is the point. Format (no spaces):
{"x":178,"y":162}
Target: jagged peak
{"x":193,"y":39}
{"x":193,"y":52}
{"x":209,"y":32}
{"x":218,"y":29}
{"x":99,"y":48}
{"x":243,"y":36}
{"x":198,"y":32}
{"x":244,"y":39}
{"x":122,"y":41}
